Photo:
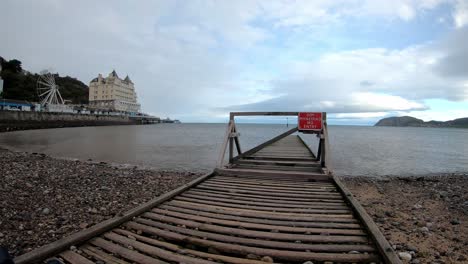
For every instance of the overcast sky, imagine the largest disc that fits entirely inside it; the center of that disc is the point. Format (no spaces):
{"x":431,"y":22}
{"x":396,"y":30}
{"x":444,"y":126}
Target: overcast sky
{"x":198,"y":60}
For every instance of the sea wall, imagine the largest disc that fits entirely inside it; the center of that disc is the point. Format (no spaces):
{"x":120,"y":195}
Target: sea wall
{"x":22,"y":120}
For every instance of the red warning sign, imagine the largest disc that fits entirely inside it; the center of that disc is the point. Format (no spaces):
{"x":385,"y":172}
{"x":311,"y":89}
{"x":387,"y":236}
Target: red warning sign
{"x":310,"y":121}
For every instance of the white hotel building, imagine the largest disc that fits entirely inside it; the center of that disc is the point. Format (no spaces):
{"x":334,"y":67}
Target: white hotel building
{"x":113,"y":93}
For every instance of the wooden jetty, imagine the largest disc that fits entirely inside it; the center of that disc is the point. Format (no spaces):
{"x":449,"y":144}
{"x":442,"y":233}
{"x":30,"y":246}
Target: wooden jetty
{"x":276,"y":203}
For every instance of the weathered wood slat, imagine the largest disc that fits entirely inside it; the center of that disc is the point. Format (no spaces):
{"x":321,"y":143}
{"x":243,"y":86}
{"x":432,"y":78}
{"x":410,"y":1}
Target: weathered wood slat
{"x":239,"y":248}
{"x":287,"y":186}
{"x":248,"y":219}
{"x":273,"y":188}
{"x":125,"y":253}
{"x":101,"y":255}
{"x":280,"y":228}
{"x":268,"y":215}
{"x":263,"y":167}
{"x":75,"y":258}
{"x":280,"y":159}
{"x":266,"y":193}
{"x":251,"y":233}
{"x":155,"y":251}
{"x":282,"y":192}
{"x":301,"y":182}
{"x":273,"y":198}
{"x":267,"y":203}
{"x":224,"y":259}
{"x":275,"y":181}
{"x":267,"y":209}
{"x":272,"y":162}
{"x":274,"y":173}
{"x":283,"y":154}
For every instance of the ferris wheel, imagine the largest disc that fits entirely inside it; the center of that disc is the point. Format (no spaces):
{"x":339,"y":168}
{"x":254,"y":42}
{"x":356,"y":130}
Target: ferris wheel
{"x":48,"y":90}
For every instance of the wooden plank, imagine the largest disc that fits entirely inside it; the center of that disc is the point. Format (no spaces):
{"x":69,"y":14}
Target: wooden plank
{"x":79,"y":237}
{"x":246,"y":219}
{"x":266,"y":193}
{"x":272,"y":184}
{"x":281,"y":155}
{"x":229,"y":231}
{"x":101,"y":255}
{"x":224,"y":145}
{"x":236,"y":140}
{"x":264,"y":208}
{"x":247,"y":172}
{"x":282,"y":150}
{"x":274,"y":188}
{"x":279,"y":228}
{"x":145,"y":224}
{"x":224,"y":259}
{"x":259,"y":190}
{"x":75,"y":258}
{"x":306,"y":146}
{"x":273,"y":198}
{"x":234,"y":114}
{"x":279,"y":179}
{"x":262,"y":202}
{"x":155,"y":251}
{"x":277,"y":158}
{"x":257,"y":148}
{"x":273,"y":167}
{"x":125,"y":253}
{"x":275,"y":253}
{"x":278,"y":151}
{"x":267,"y":215}
{"x":382,"y":244}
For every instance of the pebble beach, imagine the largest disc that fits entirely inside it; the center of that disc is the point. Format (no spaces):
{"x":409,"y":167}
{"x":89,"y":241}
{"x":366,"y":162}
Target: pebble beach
{"x":43,"y":199}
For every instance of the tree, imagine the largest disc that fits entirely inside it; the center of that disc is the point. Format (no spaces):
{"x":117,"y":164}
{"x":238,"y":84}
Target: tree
{"x":21,"y":85}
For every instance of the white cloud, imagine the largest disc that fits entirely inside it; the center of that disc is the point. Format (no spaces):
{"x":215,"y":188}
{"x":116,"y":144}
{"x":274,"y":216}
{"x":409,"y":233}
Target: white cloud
{"x":438,"y":115}
{"x":192,"y":58}
{"x":359,"y":115}
{"x":460,"y":15}
{"x":385,"y":101}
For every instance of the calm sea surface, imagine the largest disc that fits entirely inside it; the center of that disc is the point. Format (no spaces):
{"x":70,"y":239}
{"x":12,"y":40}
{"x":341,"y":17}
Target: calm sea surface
{"x":373,"y":151}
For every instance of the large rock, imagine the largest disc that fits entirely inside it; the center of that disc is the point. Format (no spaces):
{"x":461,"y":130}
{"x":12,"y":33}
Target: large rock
{"x":402,"y":121}
{"x":408,"y":121}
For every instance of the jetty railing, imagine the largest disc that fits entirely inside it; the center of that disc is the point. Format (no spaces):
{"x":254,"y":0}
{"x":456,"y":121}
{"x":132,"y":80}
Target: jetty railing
{"x":231,"y":139}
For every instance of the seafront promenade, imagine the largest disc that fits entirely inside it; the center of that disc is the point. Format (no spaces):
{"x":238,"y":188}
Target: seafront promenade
{"x":22,"y":120}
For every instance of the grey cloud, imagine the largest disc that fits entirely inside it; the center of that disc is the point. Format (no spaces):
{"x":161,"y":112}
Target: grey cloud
{"x":366,"y":83}
{"x":187,"y":58}
{"x":296,"y":103}
{"x":454,"y":62}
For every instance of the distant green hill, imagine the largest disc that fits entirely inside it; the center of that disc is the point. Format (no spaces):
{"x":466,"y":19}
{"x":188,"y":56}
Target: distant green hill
{"x":19,"y":84}
{"x":408,"y":121}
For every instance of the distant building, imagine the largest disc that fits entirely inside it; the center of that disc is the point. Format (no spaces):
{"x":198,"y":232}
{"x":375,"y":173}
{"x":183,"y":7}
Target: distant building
{"x":113,"y":94}
{"x":16,"y":105}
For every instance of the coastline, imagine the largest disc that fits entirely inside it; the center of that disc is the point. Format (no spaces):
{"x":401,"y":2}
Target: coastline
{"x":45,"y":198}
